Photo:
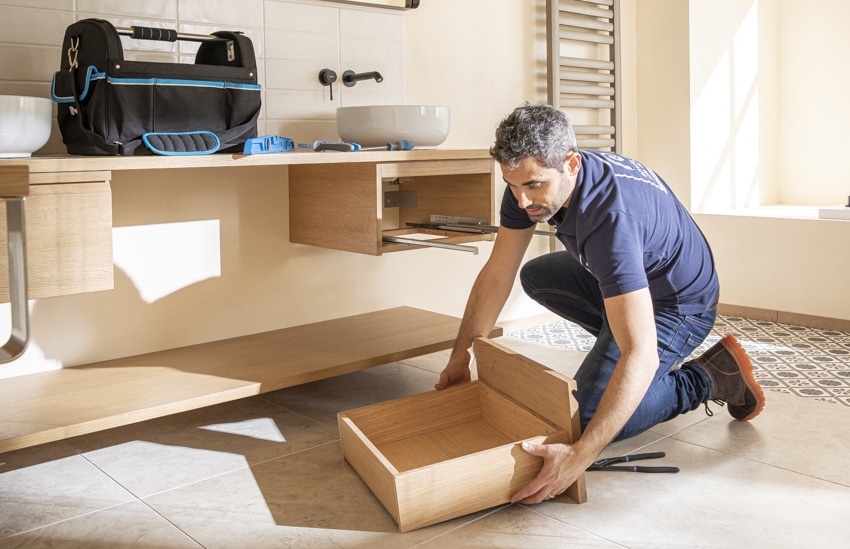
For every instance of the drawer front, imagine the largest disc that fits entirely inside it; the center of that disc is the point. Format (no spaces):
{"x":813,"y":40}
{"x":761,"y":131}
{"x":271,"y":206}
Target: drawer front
{"x":69,"y":239}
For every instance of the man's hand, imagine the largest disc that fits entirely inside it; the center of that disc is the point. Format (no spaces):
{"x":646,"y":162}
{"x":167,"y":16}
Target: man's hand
{"x":452,"y":374}
{"x":562,"y":466}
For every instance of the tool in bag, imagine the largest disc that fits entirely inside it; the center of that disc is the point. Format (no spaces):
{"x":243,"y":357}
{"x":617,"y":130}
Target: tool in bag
{"x":109,"y":105}
{"x":607,"y":464}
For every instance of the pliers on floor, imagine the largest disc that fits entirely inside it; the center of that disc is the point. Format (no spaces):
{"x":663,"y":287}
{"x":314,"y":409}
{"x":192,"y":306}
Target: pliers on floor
{"x":607,"y":464}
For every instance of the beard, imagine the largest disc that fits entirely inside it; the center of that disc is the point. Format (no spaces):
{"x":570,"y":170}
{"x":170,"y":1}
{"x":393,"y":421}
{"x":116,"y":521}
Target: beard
{"x":546,"y":212}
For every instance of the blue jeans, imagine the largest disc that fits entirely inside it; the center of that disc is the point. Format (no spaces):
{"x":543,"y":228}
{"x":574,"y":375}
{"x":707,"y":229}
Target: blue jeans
{"x":561,"y":284}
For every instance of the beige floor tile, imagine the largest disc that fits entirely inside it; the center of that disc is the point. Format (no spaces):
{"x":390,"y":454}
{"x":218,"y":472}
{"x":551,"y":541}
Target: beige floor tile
{"x":795,"y":433}
{"x":516,"y":527}
{"x":716,"y":501}
{"x":52,"y":491}
{"x":312,"y":499}
{"x":27,"y":457}
{"x":200,"y":444}
{"x":129,"y":525}
{"x":434,"y":362}
{"x":322,"y":400}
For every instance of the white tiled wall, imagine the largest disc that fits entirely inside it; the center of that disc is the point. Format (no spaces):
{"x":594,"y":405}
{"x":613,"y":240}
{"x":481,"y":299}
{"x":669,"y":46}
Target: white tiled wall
{"x":293,"y":41}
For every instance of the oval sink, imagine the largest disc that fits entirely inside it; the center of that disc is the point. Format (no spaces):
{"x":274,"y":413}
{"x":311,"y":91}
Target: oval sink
{"x":376,"y":125}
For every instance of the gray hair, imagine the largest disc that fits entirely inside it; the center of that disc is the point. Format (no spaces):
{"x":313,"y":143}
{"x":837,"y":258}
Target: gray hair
{"x":540,"y":132}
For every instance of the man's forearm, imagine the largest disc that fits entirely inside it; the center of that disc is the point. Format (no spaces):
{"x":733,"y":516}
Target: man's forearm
{"x":486,"y":300}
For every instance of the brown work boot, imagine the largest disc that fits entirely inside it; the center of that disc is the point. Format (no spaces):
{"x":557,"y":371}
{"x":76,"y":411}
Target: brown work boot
{"x":732,"y":373}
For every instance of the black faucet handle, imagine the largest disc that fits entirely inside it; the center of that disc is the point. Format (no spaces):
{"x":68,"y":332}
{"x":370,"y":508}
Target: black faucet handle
{"x":327,"y":77}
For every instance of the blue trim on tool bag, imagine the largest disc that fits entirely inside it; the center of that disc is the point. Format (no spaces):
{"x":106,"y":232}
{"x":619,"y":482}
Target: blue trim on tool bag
{"x":91,"y":74}
{"x":175,"y":82}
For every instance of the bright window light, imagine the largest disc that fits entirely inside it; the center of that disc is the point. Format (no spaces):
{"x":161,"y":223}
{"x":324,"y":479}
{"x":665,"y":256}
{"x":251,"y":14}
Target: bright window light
{"x":263,"y":428}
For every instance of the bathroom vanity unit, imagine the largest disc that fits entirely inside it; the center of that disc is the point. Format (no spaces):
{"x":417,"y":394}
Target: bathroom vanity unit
{"x":374,"y":194}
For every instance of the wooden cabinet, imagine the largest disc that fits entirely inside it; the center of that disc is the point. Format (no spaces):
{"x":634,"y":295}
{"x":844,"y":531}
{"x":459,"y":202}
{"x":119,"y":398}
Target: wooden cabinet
{"x":337,"y":200}
{"x":68,"y":233}
{"x":353,"y":206}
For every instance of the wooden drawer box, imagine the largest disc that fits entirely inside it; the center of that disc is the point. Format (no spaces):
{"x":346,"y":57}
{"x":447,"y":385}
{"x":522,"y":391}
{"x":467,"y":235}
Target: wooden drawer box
{"x":443,"y":454}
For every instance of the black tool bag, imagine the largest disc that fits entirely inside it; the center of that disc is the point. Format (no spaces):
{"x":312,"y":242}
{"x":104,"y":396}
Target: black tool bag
{"x":111,"y":106}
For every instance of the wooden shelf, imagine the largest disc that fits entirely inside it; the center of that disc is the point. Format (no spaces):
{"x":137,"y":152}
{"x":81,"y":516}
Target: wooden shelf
{"x":68,"y":163}
{"x":59,"y":404}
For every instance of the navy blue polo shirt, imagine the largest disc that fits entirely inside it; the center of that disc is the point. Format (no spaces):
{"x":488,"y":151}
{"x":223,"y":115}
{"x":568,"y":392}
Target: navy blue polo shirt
{"x":628,"y":229}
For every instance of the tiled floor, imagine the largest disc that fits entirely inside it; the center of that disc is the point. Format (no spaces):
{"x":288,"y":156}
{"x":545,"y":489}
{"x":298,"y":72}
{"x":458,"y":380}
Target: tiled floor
{"x":792,"y":359}
{"x":268,"y":472}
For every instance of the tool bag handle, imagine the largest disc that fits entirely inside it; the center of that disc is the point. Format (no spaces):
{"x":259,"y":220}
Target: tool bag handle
{"x":163,"y":35}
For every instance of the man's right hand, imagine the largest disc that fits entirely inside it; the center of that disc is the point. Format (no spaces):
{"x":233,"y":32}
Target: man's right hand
{"x":452,"y":374}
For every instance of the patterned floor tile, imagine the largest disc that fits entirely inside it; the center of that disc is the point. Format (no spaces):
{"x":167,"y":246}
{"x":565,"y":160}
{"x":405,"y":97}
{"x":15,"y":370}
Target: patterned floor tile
{"x":803,"y":361}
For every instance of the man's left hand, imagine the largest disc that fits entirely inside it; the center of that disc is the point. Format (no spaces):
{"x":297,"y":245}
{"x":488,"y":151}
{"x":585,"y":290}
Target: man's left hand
{"x":562,"y":465}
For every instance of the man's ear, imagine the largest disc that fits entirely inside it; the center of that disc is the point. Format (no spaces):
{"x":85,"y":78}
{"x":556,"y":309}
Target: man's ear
{"x":572,"y":163}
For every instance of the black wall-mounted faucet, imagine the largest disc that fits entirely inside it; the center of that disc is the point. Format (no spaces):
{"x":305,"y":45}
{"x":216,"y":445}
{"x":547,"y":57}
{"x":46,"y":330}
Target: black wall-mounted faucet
{"x":350,"y":78}
{"x":327,"y":77}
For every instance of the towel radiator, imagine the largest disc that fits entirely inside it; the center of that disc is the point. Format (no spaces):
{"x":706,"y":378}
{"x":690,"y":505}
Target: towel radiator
{"x":583,"y":76}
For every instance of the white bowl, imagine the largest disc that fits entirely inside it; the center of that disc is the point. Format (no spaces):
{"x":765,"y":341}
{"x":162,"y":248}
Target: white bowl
{"x":375,"y":126}
{"x":25,"y":124}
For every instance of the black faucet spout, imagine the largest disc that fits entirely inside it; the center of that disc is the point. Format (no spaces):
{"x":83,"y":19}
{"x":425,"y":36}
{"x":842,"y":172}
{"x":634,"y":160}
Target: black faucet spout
{"x":350,"y":78}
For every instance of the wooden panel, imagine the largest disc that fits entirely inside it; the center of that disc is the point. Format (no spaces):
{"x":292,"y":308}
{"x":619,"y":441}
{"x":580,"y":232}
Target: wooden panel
{"x":378,"y":473}
{"x":69,"y":177}
{"x":299,"y":157}
{"x":512,"y":420}
{"x":537,"y":388}
{"x":455,"y":195}
{"x":55,"y":405}
{"x":546,"y":392}
{"x":14,"y":181}
{"x":437,"y":167}
{"x":189,"y":377}
{"x":419,"y":414}
{"x":69,"y":240}
{"x":336,"y":206}
{"x":440,"y":492}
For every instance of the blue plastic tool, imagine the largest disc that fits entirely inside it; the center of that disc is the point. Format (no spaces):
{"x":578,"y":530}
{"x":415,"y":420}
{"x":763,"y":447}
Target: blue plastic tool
{"x":268,"y":144}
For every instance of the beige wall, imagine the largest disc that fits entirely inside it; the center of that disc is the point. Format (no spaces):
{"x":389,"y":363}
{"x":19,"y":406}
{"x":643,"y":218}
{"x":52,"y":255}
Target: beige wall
{"x":789,"y":265}
{"x":813,"y":83}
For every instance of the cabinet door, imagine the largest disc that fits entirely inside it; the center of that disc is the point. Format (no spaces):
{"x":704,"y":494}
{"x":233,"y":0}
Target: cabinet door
{"x":68,"y":233}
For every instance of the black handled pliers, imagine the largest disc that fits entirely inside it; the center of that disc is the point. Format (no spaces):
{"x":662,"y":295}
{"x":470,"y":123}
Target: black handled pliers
{"x":607,"y":464}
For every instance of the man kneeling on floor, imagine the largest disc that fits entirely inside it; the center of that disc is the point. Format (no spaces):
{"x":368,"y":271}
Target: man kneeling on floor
{"x":637,"y":273}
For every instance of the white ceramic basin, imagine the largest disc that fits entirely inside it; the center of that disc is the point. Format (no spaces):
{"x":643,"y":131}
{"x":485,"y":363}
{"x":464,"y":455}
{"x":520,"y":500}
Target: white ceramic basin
{"x":375,"y":126}
{"x":25,"y":124}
